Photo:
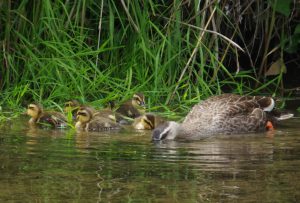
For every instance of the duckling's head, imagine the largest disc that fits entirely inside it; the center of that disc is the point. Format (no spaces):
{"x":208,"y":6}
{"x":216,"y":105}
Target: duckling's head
{"x":84,"y":115}
{"x":71,"y":106}
{"x":166,"y":131}
{"x":138,"y":100}
{"x":144,"y":122}
{"x":34,"y":110}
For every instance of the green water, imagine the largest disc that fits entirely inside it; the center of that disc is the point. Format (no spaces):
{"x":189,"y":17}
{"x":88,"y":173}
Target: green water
{"x":40,"y":165}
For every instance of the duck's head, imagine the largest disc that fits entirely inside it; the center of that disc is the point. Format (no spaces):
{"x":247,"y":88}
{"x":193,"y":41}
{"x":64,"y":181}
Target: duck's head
{"x":84,"y":114}
{"x":144,"y":122}
{"x":71,"y":106}
{"x":34,"y":110}
{"x":166,"y":131}
{"x":138,"y":100}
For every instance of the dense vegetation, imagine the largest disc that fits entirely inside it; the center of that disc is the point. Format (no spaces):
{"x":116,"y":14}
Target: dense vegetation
{"x":176,"y":52}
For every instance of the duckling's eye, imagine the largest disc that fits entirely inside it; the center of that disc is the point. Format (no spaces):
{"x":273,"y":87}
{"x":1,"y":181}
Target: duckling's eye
{"x":149,"y":123}
{"x":67,"y":105}
{"x":31,"y":107}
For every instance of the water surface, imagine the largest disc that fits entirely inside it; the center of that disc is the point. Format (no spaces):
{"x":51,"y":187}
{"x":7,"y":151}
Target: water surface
{"x":43,"y":165}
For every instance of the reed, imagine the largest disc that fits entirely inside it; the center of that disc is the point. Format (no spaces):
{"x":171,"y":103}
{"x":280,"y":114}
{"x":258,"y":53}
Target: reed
{"x":176,"y":52}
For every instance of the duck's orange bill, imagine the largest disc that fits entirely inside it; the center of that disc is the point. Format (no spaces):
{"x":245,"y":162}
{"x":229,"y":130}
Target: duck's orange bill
{"x":269,"y":126}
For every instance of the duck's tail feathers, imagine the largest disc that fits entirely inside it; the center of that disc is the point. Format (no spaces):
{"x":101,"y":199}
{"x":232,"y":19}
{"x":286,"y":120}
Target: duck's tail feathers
{"x":284,"y":116}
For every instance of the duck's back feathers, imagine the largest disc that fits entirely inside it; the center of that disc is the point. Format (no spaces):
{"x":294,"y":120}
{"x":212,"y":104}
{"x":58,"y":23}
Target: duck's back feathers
{"x":53,"y":118}
{"x":105,"y":113}
{"x":45,"y":118}
{"x":101,"y":124}
{"x":229,"y":113}
{"x":89,"y":119}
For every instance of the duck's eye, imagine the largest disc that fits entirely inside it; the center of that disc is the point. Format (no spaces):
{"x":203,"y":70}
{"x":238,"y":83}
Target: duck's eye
{"x":142,"y":103}
{"x":158,"y":135}
{"x":164,"y":135}
{"x":31,"y":107}
{"x":67,"y":105}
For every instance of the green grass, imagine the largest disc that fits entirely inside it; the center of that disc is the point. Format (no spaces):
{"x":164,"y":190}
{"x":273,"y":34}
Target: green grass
{"x":53,"y":51}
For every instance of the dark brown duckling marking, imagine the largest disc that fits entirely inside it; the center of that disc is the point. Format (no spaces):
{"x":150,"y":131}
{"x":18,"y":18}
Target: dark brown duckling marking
{"x":148,"y":121}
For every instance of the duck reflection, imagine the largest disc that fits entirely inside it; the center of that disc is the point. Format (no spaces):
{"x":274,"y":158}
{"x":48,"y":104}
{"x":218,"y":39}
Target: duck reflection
{"x":218,"y":153}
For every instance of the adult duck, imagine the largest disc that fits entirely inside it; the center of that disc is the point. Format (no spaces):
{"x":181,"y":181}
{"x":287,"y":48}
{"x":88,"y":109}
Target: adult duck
{"x":223,"y":114}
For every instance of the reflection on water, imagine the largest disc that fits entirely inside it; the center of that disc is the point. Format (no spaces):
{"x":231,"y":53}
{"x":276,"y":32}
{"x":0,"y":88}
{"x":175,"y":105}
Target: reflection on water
{"x":39,"y":165}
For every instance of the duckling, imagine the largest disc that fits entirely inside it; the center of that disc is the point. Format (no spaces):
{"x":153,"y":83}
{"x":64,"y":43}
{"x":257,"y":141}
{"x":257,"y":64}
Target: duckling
{"x":223,"y":114}
{"x":106,"y":113}
{"x":147,"y":122}
{"x":89,"y":119}
{"x":132,"y":108}
{"x":72,"y":106}
{"x":39,"y":116}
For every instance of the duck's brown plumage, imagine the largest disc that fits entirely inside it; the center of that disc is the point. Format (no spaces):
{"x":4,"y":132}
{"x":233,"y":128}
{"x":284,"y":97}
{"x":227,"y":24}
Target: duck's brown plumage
{"x":88,"y":119}
{"x":228,"y":113}
{"x":49,"y":118}
{"x":149,"y":121}
{"x":132,"y":108}
{"x":223,"y":114}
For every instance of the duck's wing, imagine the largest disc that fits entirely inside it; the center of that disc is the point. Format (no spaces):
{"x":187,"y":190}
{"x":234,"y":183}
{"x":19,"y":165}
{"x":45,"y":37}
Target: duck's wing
{"x":246,"y":104}
{"x":232,"y":104}
{"x":242,"y":123}
{"x":243,"y":114}
{"x":251,"y":114}
{"x":54,"y":119}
